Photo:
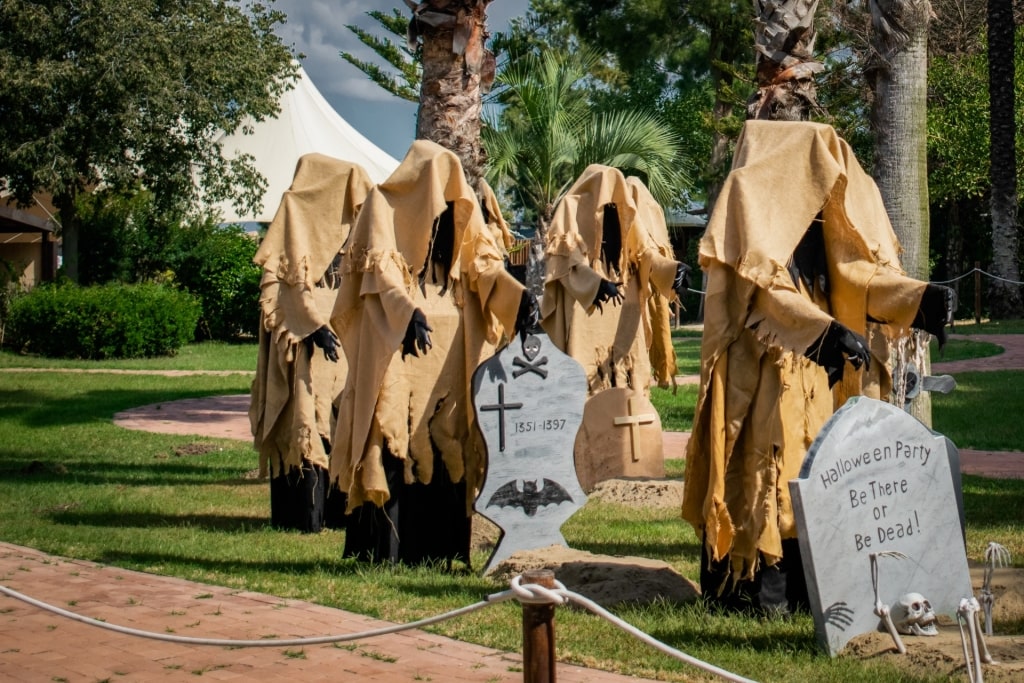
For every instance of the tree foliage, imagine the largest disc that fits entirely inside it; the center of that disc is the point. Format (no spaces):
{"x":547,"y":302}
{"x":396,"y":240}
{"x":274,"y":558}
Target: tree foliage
{"x":404,"y":80}
{"x":127,"y":92}
{"x":550,"y":132}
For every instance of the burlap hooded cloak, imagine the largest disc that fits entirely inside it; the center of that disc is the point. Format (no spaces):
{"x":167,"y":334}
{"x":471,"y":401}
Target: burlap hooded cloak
{"x":295,"y":386}
{"x":761,"y":400}
{"x":612,"y":344}
{"x":415,"y":406}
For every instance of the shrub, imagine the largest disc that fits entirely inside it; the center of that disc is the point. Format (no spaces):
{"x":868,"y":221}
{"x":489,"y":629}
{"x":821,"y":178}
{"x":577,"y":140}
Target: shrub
{"x":105,"y":321}
{"x":215,"y":264}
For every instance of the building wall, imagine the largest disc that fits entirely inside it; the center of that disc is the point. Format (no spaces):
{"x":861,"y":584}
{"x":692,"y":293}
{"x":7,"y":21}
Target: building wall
{"x":26,"y":258}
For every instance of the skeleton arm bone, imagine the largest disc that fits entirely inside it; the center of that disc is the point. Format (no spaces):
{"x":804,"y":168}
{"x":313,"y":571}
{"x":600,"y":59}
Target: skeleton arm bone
{"x":996,"y":555}
{"x":881,"y":609}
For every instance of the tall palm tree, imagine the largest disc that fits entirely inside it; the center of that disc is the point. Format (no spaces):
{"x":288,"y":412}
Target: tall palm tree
{"x":1005,"y":298}
{"x":548,"y":134}
{"x":784,"y":46}
{"x":457,"y":69}
{"x":899,"y":75}
{"x":898,"y":72}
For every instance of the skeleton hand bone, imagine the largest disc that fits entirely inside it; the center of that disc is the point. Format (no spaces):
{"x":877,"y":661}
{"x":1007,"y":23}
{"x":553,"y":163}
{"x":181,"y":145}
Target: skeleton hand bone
{"x":881,"y":609}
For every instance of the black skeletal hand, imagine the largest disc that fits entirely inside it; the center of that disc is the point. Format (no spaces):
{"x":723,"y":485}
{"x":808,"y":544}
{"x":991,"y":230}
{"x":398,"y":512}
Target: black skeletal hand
{"x":325,"y":338}
{"x":608,"y":291}
{"x":936,"y":311}
{"x":837,"y":345}
{"x":417,"y":335}
{"x":682,"y":280}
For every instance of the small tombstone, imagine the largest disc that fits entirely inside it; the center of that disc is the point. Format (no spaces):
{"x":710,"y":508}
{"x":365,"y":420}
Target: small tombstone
{"x":877,"y":482}
{"x":529,"y":404}
{"x":621,"y":437}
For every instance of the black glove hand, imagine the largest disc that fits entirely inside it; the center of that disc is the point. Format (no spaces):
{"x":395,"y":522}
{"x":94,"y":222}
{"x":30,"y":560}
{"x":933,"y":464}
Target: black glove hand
{"x":936,"y":311}
{"x":417,"y":335}
{"x":528,"y":315}
{"x":836,"y":345}
{"x":328,"y":341}
{"x":682,"y":280}
{"x":608,"y":291}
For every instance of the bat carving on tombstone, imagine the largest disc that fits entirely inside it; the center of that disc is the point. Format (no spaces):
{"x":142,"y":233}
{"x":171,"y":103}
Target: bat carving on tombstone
{"x":530,"y":498}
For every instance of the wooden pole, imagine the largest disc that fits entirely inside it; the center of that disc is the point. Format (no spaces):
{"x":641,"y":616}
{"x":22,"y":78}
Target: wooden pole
{"x":977,"y":292}
{"x":539,"y":632}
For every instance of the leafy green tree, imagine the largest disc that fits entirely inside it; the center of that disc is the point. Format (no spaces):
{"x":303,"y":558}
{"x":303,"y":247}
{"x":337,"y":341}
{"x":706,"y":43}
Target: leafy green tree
{"x":127,"y":92}
{"x":958,"y":152}
{"x":697,"y":54}
{"x":129,"y":237}
{"x":549,"y":133}
{"x":215,"y":264}
{"x":404,"y":80}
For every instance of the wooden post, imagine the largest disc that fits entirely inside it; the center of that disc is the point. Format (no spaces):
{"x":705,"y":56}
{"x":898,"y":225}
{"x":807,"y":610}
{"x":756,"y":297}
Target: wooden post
{"x":977,"y":292}
{"x":539,"y":632}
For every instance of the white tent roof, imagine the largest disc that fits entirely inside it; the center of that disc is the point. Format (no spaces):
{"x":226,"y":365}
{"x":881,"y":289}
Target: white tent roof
{"x":307,"y":123}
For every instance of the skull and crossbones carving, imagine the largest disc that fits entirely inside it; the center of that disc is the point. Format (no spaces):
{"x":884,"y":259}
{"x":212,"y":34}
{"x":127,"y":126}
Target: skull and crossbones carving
{"x":531,"y":347}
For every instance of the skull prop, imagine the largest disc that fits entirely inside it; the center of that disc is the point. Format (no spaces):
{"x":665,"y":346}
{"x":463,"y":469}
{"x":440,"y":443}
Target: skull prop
{"x":913,"y":616}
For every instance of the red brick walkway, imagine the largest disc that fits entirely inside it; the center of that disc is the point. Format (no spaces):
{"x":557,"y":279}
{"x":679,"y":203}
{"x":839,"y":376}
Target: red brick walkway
{"x":38,"y":646}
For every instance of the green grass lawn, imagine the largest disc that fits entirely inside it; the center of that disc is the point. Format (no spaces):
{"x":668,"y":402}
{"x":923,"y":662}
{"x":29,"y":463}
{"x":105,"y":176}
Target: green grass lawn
{"x":203,"y":356}
{"x":73,"y":484}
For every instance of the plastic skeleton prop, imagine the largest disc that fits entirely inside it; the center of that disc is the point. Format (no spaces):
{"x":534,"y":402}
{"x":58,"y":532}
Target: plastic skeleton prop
{"x":996,"y":555}
{"x":974,"y":653}
{"x":881,"y":609}
{"x":911,"y":615}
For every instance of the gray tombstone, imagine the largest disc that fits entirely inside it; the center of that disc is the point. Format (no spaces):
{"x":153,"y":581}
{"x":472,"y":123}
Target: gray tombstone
{"x":529,"y":404}
{"x":877,"y":481}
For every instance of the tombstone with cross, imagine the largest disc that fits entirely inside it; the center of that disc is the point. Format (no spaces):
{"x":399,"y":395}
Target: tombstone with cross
{"x":620,"y":437}
{"x":529,"y":405}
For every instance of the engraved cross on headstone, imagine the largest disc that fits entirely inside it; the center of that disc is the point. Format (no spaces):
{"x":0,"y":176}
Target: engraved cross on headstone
{"x":531,"y":487}
{"x":634,"y":421}
{"x":501,"y":407}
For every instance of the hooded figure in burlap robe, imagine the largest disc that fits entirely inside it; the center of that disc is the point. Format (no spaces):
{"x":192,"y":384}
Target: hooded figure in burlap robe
{"x":296,"y":385}
{"x":800,"y":257}
{"x":608,"y":256}
{"x":424,"y":299}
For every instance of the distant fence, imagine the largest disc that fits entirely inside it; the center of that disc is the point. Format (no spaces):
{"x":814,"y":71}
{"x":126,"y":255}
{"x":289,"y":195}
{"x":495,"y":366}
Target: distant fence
{"x":977,"y":272}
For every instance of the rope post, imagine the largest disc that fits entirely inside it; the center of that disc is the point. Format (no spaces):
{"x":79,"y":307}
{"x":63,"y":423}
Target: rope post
{"x":977,"y":292}
{"x":539,"y":632}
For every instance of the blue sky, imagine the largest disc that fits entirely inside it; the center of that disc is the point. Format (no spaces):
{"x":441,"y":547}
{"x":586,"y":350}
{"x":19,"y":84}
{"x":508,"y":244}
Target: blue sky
{"x":317,"y":28}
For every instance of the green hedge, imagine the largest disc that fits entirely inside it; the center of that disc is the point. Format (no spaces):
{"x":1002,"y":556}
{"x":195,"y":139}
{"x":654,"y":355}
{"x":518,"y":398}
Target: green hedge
{"x":104,"y":321}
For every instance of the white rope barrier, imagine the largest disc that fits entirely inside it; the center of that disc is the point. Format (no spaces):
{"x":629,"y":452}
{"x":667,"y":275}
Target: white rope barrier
{"x":532,"y":594}
{"x":267,"y":642}
{"x":972,"y":272}
{"x":934,"y":282}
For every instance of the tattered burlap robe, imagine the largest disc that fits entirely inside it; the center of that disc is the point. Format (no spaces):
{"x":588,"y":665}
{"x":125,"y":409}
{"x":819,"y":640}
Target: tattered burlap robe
{"x":293,"y":392}
{"x":413,"y":404}
{"x":761,"y":401}
{"x":612,"y":344}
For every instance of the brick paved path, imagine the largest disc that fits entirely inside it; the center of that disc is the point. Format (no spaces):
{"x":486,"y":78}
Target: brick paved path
{"x":37,"y":646}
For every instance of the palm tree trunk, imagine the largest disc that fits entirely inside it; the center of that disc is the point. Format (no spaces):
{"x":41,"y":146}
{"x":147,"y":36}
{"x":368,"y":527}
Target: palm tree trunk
{"x":784,"y":43}
{"x":1004,"y":297}
{"x":899,"y":118}
{"x":455,"y":65}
